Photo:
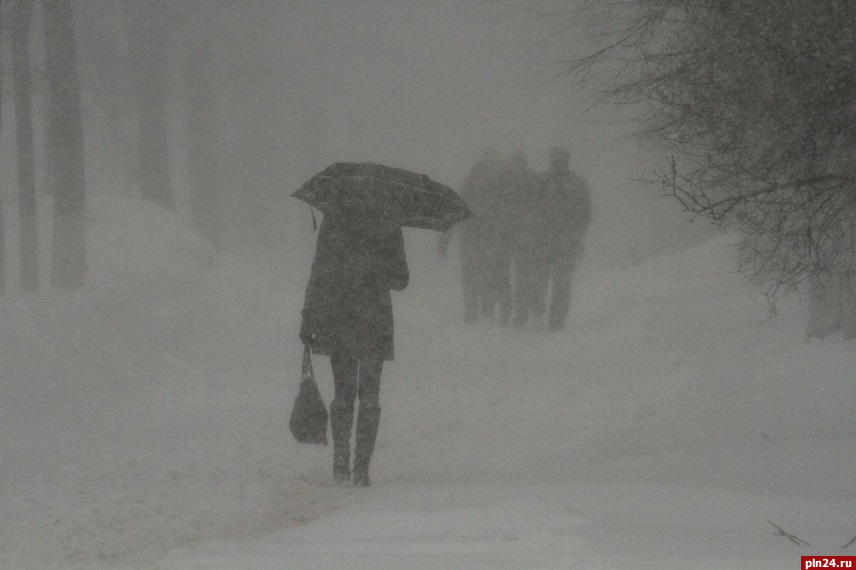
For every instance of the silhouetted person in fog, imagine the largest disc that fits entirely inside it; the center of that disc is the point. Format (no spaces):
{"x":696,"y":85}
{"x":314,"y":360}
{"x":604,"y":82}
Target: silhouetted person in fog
{"x":495,"y":241}
{"x":527,"y":245}
{"x":485,"y":262}
{"x":566,"y":214}
{"x":347,"y":315}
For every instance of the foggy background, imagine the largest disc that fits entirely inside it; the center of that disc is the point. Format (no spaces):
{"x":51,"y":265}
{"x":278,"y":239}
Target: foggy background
{"x":293,"y":86}
{"x":145,"y":415}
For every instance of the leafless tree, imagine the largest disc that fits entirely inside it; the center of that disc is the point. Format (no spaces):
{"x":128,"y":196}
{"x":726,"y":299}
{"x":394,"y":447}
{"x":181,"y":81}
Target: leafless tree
{"x":2,"y":234}
{"x":202,"y":120}
{"x":148,"y":27}
{"x":19,"y":23}
{"x":755,"y":103}
{"x":65,"y":147}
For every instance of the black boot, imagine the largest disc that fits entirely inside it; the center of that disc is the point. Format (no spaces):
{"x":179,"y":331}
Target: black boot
{"x":367,"y":426}
{"x":341,"y":420}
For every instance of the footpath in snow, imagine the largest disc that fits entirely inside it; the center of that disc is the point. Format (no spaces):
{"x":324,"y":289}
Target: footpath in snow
{"x":145,"y":421}
{"x":671,"y":428}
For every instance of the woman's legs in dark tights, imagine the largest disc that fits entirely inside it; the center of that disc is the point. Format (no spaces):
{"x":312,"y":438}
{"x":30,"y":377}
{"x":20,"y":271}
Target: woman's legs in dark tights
{"x":352,"y":378}
{"x":368,"y":419}
{"x":342,"y":413}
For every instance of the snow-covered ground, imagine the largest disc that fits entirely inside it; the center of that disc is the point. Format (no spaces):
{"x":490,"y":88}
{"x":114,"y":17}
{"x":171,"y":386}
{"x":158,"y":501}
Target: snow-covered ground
{"x":144,"y":421}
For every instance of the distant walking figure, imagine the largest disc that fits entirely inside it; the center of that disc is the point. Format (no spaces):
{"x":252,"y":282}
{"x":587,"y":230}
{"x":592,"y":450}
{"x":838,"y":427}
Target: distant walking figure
{"x":529,"y":234}
{"x":566,"y":215}
{"x":347,"y":315}
{"x":485,"y":258}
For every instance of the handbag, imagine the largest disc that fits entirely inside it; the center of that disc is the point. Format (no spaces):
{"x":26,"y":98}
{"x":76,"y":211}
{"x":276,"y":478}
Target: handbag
{"x":308,"y":421}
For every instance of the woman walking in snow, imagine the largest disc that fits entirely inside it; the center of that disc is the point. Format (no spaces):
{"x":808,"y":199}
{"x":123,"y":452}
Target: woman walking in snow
{"x":347,"y":315}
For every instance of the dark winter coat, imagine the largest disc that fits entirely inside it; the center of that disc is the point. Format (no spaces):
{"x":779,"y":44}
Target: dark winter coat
{"x":348,"y":308}
{"x":566,"y":213}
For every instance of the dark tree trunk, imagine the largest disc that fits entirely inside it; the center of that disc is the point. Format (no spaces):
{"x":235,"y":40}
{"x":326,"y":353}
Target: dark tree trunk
{"x":147,"y":21}
{"x":20,"y":26}
{"x":202,"y":136}
{"x":2,"y":233}
{"x":65,"y":147}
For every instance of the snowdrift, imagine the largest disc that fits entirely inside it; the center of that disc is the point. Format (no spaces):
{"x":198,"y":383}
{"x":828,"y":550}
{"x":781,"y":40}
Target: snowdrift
{"x":146,"y":415}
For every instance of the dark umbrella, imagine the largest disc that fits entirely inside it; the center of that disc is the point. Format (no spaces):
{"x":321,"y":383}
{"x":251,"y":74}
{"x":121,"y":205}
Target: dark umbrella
{"x":408,"y":198}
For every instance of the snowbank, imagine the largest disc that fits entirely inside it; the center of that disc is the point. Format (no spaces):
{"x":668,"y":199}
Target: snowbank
{"x":145,"y":420}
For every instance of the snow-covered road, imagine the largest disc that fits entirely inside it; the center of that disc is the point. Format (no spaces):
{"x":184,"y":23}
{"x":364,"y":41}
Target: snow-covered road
{"x":145,"y":422}
{"x":527,"y":525}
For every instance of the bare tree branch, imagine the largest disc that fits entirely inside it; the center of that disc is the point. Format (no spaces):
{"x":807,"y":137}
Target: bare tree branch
{"x":758,"y":119}
{"x":791,"y":537}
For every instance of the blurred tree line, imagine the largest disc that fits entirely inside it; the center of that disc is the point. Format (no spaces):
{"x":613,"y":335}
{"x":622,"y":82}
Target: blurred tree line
{"x":755,"y":105}
{"x":182,"y":95}
{"x":63,"y":151}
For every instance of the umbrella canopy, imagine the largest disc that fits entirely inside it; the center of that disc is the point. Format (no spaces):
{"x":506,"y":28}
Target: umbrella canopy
{"x":408,"y":198}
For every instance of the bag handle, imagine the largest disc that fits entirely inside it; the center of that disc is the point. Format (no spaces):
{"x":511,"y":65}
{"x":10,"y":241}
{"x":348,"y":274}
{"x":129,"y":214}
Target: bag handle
{"x":307,"y":363}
